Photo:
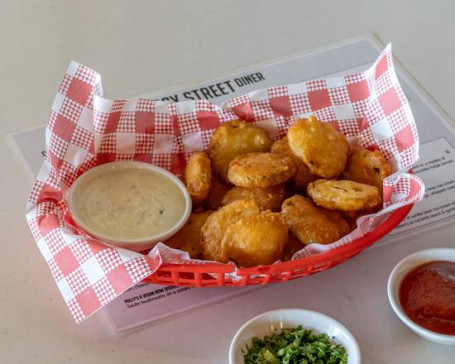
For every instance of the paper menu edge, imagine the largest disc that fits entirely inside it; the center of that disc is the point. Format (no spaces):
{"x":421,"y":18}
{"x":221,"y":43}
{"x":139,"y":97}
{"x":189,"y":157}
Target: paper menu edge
{"x":18,"y":155}
{"x":177,"y":313}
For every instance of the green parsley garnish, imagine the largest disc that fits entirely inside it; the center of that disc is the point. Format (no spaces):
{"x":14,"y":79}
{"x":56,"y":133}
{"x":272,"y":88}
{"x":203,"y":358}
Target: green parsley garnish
{"x":295,"y":346}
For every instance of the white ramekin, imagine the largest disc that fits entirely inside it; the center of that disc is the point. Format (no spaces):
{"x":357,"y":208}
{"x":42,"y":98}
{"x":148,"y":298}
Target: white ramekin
{"x":393,"y":287}
{"x":267,"y":324}
{"x":131,"y":244}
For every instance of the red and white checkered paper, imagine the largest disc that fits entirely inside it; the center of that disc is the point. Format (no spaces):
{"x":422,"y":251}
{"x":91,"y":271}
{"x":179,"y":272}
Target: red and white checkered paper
{"x":85,"y":130}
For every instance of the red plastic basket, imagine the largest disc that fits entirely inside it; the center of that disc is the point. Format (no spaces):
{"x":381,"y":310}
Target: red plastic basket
{"x":212,"y":275}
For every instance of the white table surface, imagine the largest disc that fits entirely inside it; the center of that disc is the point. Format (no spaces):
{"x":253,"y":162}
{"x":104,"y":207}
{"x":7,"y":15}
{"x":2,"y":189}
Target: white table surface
{"x":150,"y":45}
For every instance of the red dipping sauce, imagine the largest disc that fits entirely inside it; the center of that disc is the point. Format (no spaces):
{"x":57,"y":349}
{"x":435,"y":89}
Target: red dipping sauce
{"x":427,"y":295}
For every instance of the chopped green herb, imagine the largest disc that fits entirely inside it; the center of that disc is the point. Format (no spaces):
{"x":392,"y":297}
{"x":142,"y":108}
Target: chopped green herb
{"x":295,"y":346}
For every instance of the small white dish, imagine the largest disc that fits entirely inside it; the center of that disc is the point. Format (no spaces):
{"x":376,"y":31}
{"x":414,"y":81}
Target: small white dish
{"x":393,"y":286}
{"x":135,"y":244}
{"x":269,"y":322}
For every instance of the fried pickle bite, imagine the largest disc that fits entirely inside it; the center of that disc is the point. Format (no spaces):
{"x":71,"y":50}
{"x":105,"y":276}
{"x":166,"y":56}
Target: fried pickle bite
{"x":198,"y":177}
{"x":256,"y":239}
{"x":268,"y":198}
{"x":188,"y":238}
{"x":215,"y":226}
{"x":216,"y":195}
{"x":303,"y":175}
{"x":369,"y":167}
{"x":292,"y":246}
{"x":260,"y":170}
{"x":311,"y":224}
{"x":323,"y":148}
{"x":344,"y":195}
{"x":233,"y":138}
{"x":353,"y":216}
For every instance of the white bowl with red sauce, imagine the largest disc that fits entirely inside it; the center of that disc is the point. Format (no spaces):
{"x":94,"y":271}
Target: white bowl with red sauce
{"x":421,"y":290}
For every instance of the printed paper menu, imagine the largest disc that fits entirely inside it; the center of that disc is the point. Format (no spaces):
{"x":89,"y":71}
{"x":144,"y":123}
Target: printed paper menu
{"x":150,"y":302}
{"x":437,"y":170}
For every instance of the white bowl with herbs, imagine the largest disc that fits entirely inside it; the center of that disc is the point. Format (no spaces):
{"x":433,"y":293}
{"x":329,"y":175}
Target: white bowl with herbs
{"x":293,"y":335}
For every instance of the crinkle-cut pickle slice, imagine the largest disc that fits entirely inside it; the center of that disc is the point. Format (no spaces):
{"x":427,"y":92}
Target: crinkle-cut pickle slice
{"x":323,"y":148}
{"x":214,"y":228}
{"x":344,"y":195}
{"x":311,"y":224}
{"x":234,"y":138}
{"x":260,"y":170}
{"x":366,"y":166}
{"x":303,"y":175}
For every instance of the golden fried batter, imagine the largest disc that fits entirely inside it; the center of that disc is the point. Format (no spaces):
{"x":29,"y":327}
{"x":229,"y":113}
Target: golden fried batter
{"x":233,"y":138}
{"x":260,"y":170}
{"x":256,"y":239}
{"x":303,"y":175}
{"x":344,"y":195}
{"x":269,"y":198}
{"x":214,"y":228}
{"x":359,"y":213}
{"x":352,"y":216}
{"x":193,"y":248}
{"x":216,"y":195}
{"x":188,"y":238}
{"x":311,"y":224}
{"x":323,"y":148}
{"x":198,"y":175}
{"x":292,"y":246}
{"x":367,"y":167}
{"x":337,"y":218}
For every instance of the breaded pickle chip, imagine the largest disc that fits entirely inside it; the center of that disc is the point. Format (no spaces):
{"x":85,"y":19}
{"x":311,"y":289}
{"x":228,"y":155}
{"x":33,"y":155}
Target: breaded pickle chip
{"x":198,"y":175}
{"x":256,"y":239}
{"x":215,"y":226}
{"x":268,"y":198}
{"x":193,"y":248}
{"x":323,"y":148}
{"x":311,"y":224}
{"x":369,"y":167}
{"x":233,"y":138}
{"x":339,"y":219}
{"x":303,"y":175}
{"x":260,"y":170}
{"x":344,"y":195}
{"x":188,"y":238}
{"x":216,"y":195}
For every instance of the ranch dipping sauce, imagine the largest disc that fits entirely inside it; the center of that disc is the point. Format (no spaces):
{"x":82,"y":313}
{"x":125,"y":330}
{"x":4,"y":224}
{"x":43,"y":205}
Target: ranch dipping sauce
{"x":129,"y":203}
